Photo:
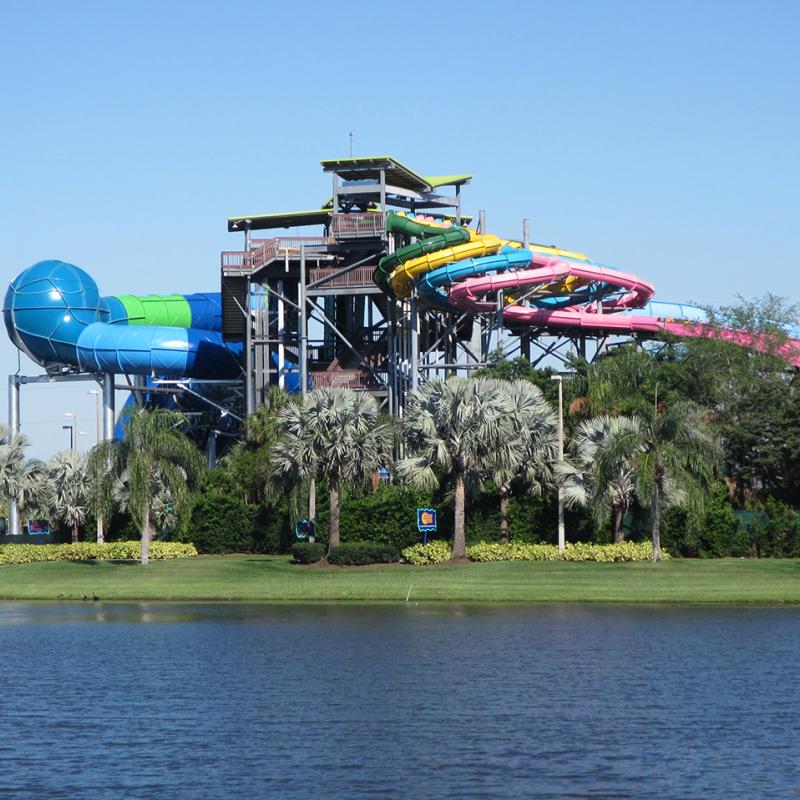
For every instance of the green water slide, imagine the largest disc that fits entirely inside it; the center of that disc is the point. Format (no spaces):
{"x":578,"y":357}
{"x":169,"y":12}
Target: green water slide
{"x":431,"y":239}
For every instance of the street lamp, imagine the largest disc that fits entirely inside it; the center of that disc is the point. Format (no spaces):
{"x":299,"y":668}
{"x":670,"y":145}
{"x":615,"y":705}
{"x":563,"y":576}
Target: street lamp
{"x":73,"y":426}
{"x":71,"y":435}
{"x":561,"y":535}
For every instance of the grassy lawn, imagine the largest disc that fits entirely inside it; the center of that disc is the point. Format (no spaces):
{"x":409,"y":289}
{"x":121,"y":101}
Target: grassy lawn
{"x":274,"y":579}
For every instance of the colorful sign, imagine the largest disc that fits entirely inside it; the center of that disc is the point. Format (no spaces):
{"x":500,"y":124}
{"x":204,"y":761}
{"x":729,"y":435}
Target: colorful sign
{"x":426,"y":520}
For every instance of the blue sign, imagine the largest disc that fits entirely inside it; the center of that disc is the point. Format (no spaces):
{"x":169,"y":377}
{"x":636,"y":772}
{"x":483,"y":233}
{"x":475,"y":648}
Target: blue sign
{"x":426,"y":520}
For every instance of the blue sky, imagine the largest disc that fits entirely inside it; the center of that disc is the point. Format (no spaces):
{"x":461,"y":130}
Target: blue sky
{"x":658,"y":137}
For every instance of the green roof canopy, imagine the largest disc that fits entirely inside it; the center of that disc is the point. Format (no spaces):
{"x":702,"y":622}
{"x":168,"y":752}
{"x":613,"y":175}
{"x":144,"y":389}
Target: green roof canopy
{"x":287,"y":219}
{"x":397,"y":173}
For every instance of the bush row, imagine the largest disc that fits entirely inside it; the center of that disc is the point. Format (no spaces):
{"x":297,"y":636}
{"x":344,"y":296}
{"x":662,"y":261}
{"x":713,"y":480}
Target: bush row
{"x":354,"y":554}
{"x":357,"y":554}
{"x":438,"y":551}
{"x":86,"y":551}
{"x":308,"y":552}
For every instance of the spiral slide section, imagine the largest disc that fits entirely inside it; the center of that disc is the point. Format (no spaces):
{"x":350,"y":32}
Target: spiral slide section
{"x":543,"y":287}
{"x":54,"y":313}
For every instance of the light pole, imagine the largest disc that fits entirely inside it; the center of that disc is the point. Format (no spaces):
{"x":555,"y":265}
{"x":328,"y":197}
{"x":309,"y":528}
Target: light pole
{"x":73,"y":428}
{"x":99,"y":412}
{"x":561,"y":535}
{"x":71,"y":435}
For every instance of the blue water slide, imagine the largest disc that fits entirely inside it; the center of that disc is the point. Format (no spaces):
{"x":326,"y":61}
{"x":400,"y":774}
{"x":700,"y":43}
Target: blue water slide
{"x":157,"y":350}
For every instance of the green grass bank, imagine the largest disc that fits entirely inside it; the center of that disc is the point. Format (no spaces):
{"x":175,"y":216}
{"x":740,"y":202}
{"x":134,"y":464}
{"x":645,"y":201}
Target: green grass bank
{"x":274,"y":579}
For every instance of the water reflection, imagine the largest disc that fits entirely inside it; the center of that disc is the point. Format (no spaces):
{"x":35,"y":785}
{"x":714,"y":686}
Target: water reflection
{"x":209,"y":700}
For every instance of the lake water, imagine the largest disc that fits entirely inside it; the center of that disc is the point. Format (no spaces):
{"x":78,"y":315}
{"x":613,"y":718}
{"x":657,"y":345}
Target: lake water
{"x":245,"y":701}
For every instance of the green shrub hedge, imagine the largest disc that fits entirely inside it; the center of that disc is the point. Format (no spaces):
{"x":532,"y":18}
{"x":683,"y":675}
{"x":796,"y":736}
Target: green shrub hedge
{"x":434,"y":552}
{"x":87,"y":551}
{"x":358,"y":554}
{"x":438,"y":551}
{"x":579,"y":551}
{"x":308,"y":552}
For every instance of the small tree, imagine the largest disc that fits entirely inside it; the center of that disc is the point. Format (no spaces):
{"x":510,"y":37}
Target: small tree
{"x":153,"y":456}
{"x":335,"y":434}
{"x":68,"y":492}
{"x":529,"y":464}
{"x":578,"y":477}
{"x":672,"y":457}
{"x":466,"y":426}
{"x":21,"y":480}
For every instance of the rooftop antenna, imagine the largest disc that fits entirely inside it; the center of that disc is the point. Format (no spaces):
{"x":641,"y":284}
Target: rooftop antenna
{"x":351,"y":144}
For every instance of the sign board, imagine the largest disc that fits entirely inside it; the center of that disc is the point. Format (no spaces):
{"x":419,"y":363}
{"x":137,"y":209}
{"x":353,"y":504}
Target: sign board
{"x":38,"y":527}
{"x":426,"y":520}
{"x":304,"y":529}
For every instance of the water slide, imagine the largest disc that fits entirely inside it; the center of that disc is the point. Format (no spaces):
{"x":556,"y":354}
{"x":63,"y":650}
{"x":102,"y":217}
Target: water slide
{"x":54,"y":313}
{"x":544,"y":287}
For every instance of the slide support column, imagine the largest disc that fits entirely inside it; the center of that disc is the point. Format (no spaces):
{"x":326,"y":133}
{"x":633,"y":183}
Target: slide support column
{"x":13,"y":424}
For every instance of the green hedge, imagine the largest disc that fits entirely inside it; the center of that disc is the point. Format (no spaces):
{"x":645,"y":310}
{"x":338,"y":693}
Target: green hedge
{"x":358,"y":554}
{"x":308,"y":552}
{"x":579,"y":551}
{"x":87,"y":551}
{"x":434,"y":552}
{"x":437,"y":552}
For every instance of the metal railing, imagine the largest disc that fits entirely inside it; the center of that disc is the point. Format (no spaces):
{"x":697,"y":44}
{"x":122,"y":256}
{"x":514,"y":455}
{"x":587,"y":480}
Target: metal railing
{"x":344,"y":379}
{"x":358,"y":225}
{"x":358,"y":277}
{"x":265,"y":251}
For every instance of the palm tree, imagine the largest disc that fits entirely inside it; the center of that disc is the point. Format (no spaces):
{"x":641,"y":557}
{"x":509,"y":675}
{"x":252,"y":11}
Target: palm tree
{"x":672,"y":457}
{"x":578,"y":479}
{"x":68,"y":489}
{"x":153,"y":454}
{"x":20,"y":479}
{"x":465,"y":426}
{"x":336,"y":434}
{"x":529,"y":465}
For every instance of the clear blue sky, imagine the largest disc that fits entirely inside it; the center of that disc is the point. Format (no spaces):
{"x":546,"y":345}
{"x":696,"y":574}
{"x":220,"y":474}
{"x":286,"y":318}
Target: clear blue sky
{"x":661,"y":137}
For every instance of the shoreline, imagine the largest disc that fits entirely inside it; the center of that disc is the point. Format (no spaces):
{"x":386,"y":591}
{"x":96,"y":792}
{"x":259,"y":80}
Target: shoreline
{"x":274,"y":580}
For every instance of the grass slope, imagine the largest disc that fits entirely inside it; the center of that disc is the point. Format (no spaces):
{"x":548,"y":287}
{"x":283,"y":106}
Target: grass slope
{"x":273,"y":579}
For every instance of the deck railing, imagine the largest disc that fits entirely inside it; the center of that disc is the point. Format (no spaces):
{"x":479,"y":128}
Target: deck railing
{"x":265,"y":251}
{"x":358,"y":277}
{"x":358,"y":225}
{"x":344,"y":379}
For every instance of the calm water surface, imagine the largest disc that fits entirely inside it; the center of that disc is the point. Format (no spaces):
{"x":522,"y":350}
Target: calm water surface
{"x":229,"y":701}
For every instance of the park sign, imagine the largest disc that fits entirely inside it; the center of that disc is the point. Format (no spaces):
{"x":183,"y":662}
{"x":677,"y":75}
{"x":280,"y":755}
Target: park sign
{"x":426,"y":520}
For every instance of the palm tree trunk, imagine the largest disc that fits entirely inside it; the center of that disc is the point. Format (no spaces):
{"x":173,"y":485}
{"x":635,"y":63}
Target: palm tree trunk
{"x":655,"y":513}
{"x":459,"y":540}
{"x":75,"y":532}
{"x":146,"y":534}
{"x":505,"y":501}
{"x":333,"y":539}
{"x":619,"y":517}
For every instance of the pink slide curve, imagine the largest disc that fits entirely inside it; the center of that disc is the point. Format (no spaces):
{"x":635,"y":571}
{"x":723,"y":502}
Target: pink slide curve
{"x":470,"y":295}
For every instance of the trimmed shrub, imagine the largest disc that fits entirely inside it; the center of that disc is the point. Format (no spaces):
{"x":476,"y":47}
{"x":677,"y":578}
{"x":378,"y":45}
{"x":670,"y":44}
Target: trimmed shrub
{"x":388,"y":515}
{"x":579,"y":551}
{"x":308,"y":552}
{"x":356,"y":554}
{"x":434,"y":552}
{"x":88,"y":551}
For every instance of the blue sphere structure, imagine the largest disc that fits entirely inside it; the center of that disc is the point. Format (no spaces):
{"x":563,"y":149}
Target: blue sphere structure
{"x":46,"y":309}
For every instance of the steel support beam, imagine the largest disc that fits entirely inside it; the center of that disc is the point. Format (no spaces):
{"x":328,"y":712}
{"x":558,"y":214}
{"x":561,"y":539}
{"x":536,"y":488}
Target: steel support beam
{"x":13,"y":424}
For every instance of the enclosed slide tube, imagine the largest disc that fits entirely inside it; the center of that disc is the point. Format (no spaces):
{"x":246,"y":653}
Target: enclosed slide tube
{"x":54,"y":313}
{"x":543,"y":287}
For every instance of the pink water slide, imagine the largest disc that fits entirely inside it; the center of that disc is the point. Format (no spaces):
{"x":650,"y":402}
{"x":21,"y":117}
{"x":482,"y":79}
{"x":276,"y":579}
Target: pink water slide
{"x":596,"y":317}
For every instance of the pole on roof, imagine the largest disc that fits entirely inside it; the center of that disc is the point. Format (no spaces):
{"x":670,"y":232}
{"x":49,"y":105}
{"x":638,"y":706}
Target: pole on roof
{"x":482,"y":221}
{"x":526,"y":234}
